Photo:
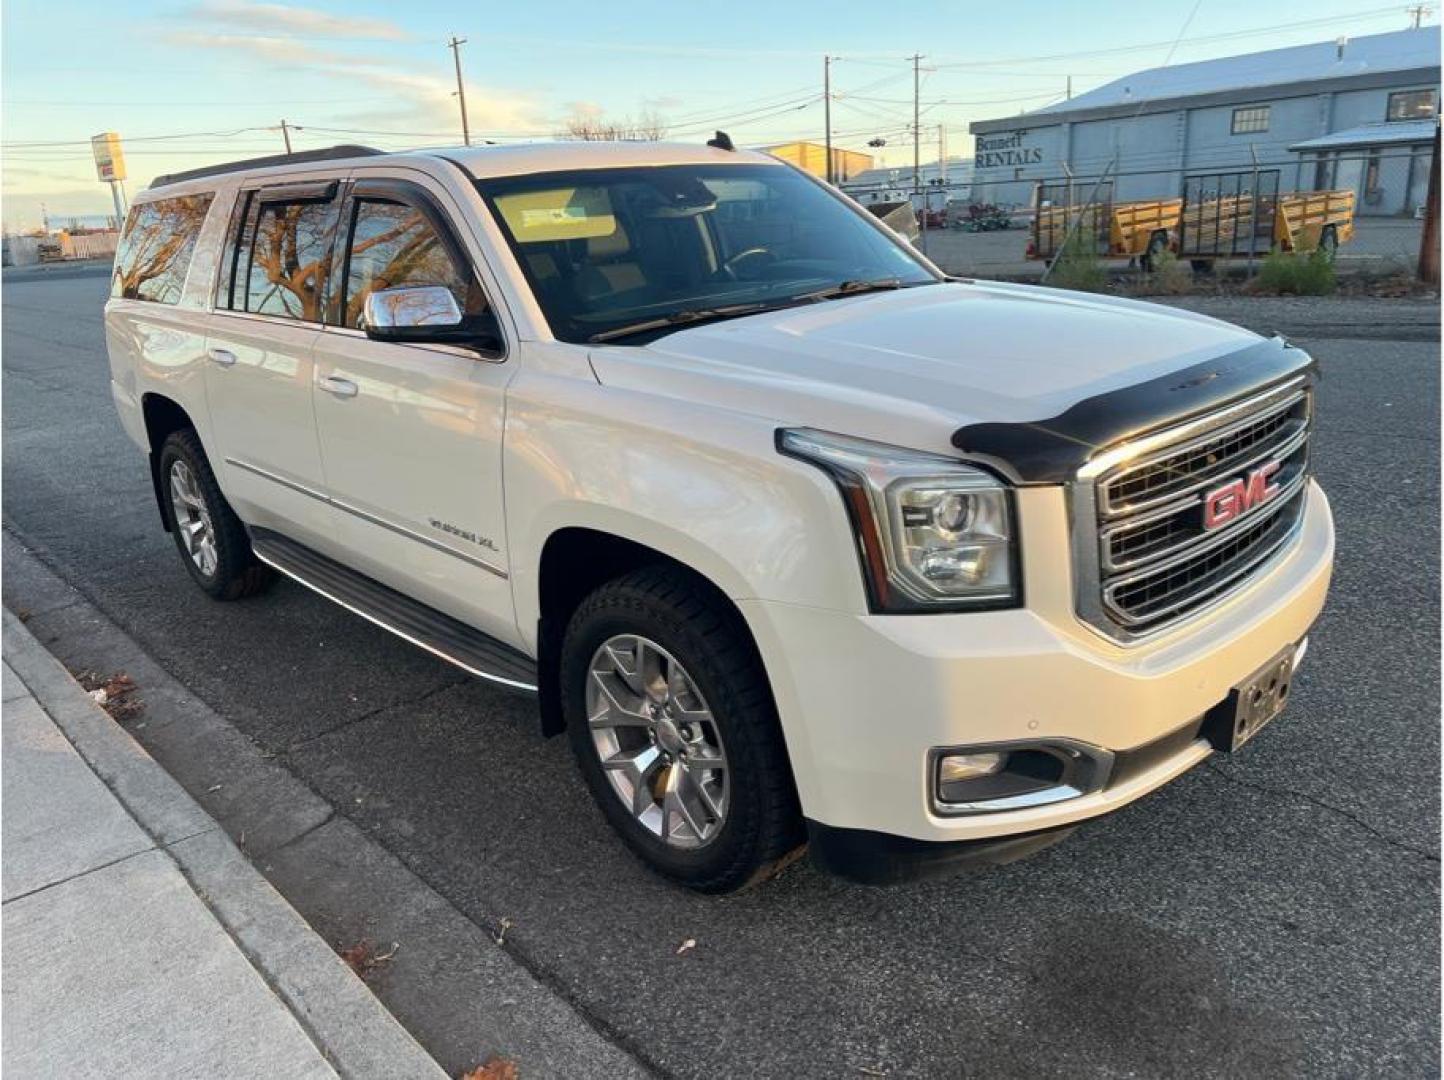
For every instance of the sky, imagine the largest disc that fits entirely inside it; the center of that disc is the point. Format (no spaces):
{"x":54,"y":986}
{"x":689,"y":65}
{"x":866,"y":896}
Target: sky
{"x":193,"y":82}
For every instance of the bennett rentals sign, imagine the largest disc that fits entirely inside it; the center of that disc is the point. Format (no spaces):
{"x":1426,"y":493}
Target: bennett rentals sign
{"x":997,"y":151}
{"x":109,"y":161}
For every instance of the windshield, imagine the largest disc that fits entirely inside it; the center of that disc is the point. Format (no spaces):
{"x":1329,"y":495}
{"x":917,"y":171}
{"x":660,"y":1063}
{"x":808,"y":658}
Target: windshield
{"x":656,"y":248}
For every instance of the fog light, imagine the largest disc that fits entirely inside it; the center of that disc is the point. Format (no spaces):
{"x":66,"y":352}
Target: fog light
{"x":960,"y":767}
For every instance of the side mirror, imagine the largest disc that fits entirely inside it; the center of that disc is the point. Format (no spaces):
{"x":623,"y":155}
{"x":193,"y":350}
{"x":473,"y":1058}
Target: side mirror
{"x":426,"y":314}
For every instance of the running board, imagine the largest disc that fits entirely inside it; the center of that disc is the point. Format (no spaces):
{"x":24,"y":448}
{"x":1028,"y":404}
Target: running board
{"x":455,"y":642}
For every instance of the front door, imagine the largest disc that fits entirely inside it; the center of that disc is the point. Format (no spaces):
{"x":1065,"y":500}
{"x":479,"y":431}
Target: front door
{"x":411,"y":435}
{"x":259,"y":373}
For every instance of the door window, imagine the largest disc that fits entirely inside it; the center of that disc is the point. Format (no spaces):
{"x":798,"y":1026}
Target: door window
{"x":392,"y":245}
{"x":283,"y":258}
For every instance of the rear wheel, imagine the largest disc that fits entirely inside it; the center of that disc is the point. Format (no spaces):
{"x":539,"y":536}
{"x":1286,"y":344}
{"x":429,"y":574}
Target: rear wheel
{"x":1329,"y":242}
{"x":672,"y":722}
{"x":211,"y":539}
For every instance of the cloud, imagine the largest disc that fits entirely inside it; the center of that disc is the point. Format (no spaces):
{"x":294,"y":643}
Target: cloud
{"x":412,"y":101}
{"x":273,"y":19}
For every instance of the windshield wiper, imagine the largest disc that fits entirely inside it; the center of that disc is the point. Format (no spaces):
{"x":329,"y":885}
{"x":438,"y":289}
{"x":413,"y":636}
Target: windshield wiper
{"x":676,"y":319}
{"x":852,"y":288}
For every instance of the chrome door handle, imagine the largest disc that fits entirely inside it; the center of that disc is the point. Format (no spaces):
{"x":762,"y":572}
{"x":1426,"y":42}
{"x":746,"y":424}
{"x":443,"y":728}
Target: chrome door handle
{"x":223,"y":357}
{"x":334,"y":384}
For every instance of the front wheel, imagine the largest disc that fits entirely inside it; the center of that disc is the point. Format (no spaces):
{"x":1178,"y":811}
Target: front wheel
{"x":673,"y":725}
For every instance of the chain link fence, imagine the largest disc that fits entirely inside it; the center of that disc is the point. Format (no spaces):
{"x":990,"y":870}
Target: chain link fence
{"x":1364,"y":207}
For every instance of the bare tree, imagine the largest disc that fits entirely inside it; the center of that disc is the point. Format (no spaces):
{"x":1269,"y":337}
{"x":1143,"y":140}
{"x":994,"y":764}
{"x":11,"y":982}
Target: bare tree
{"x":647,"y":127}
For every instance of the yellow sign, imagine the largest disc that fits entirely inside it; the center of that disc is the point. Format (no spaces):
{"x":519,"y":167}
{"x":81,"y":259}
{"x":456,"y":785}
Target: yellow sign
{"x":109,"y":161}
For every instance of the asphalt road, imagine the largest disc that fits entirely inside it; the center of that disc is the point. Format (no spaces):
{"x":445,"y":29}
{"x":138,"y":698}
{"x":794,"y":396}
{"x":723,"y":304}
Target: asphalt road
{"x":1270,"y":915}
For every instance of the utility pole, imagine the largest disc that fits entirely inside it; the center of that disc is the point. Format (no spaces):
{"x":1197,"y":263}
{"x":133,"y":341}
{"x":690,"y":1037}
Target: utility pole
{"x":1069,"y":91}
{"x":942,"y":155}
{"x":827,"y":111}
{"x":455,"y":45}
{"x":1429,"y":242}
{"x":286,"y":134}
{"x":1418,"y":13}
{"x":918,"y":147}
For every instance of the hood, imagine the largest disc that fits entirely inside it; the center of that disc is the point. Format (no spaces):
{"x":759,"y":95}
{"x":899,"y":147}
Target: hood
{"x":911,"y":366}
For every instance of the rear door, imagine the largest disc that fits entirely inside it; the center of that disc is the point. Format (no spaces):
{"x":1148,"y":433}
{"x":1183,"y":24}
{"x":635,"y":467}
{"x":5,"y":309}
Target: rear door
{"x":271,"y":292}
{"x":411,"y":435}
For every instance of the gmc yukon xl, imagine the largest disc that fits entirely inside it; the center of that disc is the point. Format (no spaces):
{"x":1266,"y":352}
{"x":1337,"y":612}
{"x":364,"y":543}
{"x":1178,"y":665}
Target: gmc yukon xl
{"x":799,"y":540}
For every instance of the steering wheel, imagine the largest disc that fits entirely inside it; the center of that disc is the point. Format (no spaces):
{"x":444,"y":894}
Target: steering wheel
{"x":730,"y":267}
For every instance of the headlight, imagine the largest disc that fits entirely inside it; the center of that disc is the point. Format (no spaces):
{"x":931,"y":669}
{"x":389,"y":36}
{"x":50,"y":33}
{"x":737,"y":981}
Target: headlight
{"x":934,"y":534}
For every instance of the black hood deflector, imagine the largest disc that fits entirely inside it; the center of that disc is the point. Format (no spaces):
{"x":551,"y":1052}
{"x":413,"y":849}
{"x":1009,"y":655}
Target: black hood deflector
{"x":1050,"y":451}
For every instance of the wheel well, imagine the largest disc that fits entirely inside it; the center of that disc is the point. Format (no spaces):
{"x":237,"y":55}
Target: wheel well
{"x":162,"y":417}
{"x":574,"y":562}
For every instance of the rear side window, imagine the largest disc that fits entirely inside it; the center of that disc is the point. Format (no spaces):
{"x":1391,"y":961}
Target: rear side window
{"x":283,"y":258}
{"x":392,"y":245}
{"x":155,"y":252}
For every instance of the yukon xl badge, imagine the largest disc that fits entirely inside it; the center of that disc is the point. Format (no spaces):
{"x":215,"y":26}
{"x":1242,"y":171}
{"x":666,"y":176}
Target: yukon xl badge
{"x":1236,"y":498}
{"x":464,"y":534}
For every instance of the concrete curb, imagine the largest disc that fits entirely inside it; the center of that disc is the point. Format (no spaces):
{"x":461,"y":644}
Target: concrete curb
{"x":350,"y":1027}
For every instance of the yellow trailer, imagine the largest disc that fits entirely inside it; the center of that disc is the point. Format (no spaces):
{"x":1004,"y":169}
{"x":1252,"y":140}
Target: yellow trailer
{"x":1234,"y":226}
{"x":1142,"y":230}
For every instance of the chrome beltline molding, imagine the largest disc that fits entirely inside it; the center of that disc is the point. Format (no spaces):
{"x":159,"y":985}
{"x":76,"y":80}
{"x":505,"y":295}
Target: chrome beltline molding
{"x":366,"y":516}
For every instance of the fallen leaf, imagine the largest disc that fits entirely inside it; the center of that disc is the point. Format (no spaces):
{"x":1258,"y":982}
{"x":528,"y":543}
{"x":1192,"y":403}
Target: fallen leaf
{"x":363,"y":959}
{"x":690,"y":943}
{"x":493,"y":1068}
{"x":500,"y":936}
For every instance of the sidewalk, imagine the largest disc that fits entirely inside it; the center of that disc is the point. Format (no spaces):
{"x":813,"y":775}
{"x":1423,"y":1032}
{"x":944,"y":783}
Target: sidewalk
{"x":139,"y":942}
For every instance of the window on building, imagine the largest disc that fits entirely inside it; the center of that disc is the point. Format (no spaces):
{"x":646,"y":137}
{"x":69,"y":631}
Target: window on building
{"x":1251,"y":120}
{"x":1413,"y":104}
{"x":393,"y":245}
{"x":155,"y":252}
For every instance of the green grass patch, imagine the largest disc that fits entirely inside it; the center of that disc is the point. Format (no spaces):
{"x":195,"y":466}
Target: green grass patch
{"x":1292,"y":274}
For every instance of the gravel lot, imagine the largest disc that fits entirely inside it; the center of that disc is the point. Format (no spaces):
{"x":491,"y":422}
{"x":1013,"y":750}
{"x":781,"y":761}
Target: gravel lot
{"x":1270,"y":915}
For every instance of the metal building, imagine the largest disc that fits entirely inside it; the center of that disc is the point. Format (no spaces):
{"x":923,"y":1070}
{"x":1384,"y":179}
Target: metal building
{"x":1316,"y":113}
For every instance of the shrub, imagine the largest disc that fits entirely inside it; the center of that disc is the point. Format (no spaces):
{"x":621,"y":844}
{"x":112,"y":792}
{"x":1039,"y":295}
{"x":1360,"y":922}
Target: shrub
{"x":1171,"y":276}
{"x":1077,"y":266}
{"x":1289,"y":273}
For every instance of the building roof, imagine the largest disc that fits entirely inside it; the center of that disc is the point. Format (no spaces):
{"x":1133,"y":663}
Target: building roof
{"x":1400,"y":50}
{"x":1381,"y":134}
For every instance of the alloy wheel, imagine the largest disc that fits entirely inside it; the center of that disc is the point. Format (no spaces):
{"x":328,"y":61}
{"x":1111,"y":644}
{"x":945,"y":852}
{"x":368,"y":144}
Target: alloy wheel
{"x":657,"y":741}
{"x":192,"y":518}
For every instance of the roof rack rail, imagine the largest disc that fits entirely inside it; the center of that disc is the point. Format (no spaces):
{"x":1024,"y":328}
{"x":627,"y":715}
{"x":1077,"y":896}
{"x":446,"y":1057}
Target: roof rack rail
{"x":330,"y":153}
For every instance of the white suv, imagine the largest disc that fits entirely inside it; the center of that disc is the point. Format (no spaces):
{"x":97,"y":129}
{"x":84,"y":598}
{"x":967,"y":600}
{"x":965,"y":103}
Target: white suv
{"x":797,"y":538}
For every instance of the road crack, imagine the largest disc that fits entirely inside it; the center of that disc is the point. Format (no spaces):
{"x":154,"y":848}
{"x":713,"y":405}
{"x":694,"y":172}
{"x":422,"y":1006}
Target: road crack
{"x":1264,"y":789}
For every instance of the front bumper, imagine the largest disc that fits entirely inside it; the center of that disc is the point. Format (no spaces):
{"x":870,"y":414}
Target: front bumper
{"x":864,"y":698}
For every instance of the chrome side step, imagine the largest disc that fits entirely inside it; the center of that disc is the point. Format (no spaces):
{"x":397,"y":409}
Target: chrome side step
{"x":441,"y":635}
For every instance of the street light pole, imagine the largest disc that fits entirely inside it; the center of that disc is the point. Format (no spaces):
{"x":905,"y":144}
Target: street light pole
{"x":286,"y":134}
{"x":455,"y":45}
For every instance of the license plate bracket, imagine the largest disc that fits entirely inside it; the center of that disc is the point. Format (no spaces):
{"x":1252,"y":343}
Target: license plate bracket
{"x":1251,"y":704}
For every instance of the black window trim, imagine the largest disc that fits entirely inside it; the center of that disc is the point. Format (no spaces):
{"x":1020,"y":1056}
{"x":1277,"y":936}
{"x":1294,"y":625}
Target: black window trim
{"x":407,"y":193}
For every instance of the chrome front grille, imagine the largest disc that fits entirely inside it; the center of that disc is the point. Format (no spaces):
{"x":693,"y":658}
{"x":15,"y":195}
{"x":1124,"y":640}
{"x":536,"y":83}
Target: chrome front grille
{"x":1145,"y":555}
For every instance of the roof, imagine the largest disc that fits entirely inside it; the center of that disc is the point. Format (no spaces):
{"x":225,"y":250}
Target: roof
{"x":1399,"y":50}
{"x":479,"y":161}
{"x":1380,"y":134}
{"x":521,"y":158}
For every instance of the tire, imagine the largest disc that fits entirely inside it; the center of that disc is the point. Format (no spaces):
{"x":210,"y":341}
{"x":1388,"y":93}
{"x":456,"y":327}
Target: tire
{"x":1157,"y":245}
{"x":226,"y":569}
{"x":1329,"y":242}
{"x":1201,"y":266}
{"x":703,"y":639}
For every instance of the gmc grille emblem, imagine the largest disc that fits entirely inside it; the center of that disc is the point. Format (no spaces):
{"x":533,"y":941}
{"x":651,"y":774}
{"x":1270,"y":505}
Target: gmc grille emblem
{"x":1237,"y":497}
